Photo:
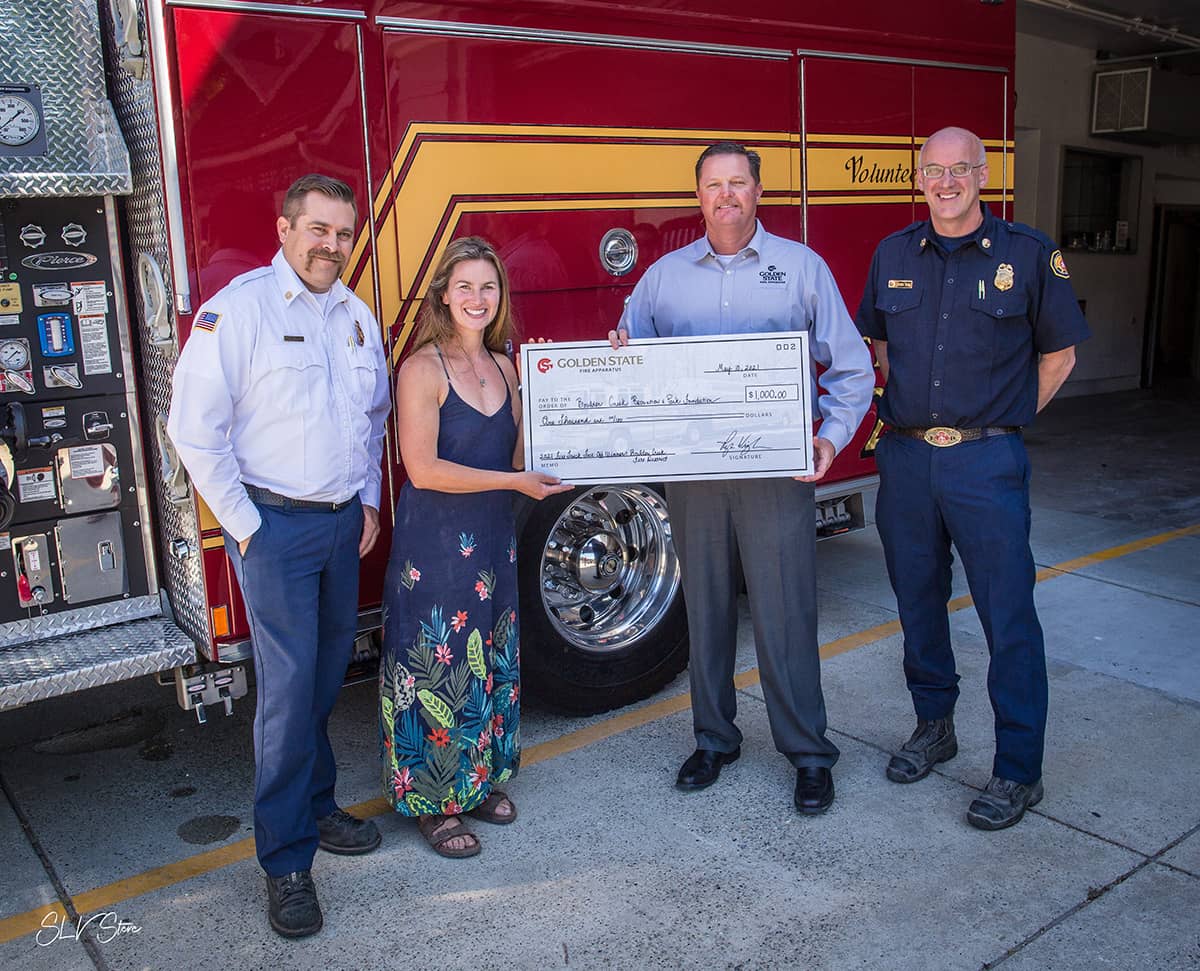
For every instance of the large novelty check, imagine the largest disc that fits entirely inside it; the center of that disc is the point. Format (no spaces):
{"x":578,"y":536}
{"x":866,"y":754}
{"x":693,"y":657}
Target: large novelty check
{"x":669,"y":409}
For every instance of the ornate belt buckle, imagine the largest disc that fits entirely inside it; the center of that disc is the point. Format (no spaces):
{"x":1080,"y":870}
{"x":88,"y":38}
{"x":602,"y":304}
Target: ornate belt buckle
{"x":943,"y":437}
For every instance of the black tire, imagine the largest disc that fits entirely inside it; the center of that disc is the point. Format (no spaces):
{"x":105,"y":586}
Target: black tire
{"x":603,"y":622}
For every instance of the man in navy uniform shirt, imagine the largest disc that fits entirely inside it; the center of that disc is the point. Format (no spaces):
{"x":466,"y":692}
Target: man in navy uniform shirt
{"x":974,"y":325}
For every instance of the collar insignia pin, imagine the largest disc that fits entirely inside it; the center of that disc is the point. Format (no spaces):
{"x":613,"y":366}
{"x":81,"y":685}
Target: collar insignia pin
{"x":985,"y":243}
{"x":1004,"y":277}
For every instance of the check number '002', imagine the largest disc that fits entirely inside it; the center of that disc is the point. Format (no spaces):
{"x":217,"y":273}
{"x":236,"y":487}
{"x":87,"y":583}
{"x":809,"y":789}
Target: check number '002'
{"x":773,"y":392}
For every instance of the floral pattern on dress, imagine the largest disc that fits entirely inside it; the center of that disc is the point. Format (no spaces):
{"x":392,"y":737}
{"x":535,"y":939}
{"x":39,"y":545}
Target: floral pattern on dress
{"x":450,"y":702}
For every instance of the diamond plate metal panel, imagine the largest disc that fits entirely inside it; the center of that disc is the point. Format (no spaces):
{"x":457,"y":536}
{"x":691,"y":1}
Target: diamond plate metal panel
{"x":36,"y":670}
{"x":146,"y":225}
{"x":56,"y":44}
{"x":81,"y":618}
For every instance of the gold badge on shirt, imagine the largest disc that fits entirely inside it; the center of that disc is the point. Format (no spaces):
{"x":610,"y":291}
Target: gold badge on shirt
{"x":1004,"y":277}
{"x":358,"y":334}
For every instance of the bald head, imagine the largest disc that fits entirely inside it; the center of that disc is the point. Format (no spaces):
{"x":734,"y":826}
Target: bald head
{"x":970,"y":147}
{"x":953,"y":199}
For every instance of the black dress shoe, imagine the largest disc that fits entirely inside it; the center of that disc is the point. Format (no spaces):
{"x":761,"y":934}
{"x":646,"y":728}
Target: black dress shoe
{"x":292,"y":905}
{"x":1003,"y":803}
{"x":814,"y":789}
{"x":347,"y":835}
{"x":702,"y":768}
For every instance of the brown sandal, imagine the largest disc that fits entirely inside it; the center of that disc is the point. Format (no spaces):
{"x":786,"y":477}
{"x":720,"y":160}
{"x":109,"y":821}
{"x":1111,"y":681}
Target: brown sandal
{"x":486,"y":810}
{"x":437,"y":834}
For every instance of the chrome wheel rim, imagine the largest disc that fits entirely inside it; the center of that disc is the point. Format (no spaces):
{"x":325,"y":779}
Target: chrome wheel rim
{"x":609,"y":571}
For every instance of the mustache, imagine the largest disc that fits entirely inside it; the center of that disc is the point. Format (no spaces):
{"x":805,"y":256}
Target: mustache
{"x":319,"y":254}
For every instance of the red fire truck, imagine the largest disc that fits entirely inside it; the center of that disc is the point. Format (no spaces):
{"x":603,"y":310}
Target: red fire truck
{"x":144,"y":149}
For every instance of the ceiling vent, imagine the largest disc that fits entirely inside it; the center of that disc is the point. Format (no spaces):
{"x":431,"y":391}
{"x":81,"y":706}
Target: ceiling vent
{"x":1146,"y":105}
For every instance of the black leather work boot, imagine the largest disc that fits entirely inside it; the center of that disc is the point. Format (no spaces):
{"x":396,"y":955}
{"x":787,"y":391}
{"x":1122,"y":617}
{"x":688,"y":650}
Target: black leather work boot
{"x":932,"y":742}
{"x":1003,"y":803}
{"x":341,"y":833}
{"x":292,"y":905}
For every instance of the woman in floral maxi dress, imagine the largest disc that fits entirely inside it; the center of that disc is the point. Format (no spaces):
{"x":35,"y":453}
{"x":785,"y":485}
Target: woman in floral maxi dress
{"x":449,"y":680}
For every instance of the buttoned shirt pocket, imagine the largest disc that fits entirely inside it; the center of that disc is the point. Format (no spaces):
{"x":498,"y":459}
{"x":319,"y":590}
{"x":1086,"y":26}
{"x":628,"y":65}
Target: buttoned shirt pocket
{"x":292,"y":371}
{"x":1002,"y":306}
{"x":900,"y":306}
{"x":1008,"y":316}
{"x":361,"y":374}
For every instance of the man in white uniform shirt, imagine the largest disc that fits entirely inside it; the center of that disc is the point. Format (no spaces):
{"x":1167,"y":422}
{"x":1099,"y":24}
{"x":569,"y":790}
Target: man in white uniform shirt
{"x":278,"y":412}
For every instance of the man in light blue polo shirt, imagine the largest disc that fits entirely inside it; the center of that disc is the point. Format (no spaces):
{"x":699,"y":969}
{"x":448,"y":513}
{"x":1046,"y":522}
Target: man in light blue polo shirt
{"x":740,"y":279}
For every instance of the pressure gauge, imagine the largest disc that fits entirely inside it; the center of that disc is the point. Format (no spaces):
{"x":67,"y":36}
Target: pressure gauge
{"x":20,"y":120}
{"x":14,"y":355}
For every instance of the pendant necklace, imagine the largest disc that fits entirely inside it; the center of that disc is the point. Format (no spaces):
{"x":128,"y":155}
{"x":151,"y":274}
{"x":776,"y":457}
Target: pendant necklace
{"x":471,"y":364}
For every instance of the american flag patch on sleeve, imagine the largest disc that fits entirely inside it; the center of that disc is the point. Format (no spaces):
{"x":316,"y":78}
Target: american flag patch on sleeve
{"x":207,"y":321}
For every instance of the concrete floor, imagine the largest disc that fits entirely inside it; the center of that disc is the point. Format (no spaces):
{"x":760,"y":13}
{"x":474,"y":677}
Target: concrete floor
{"x":122,"y":802}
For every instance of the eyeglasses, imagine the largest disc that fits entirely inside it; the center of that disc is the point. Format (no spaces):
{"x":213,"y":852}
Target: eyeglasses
{"x":960,"y":170}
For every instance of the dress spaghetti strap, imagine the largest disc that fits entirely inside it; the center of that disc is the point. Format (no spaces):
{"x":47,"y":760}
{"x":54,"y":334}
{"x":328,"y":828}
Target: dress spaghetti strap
{"x":443,"y":361}
{"x":497,"y":363}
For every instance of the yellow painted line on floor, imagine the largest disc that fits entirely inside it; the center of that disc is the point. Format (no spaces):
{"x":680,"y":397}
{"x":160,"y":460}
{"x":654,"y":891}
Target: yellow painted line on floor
{"x":30,"y":922}
{"x":859,"y":639}
{"x":621,"y":722}
{"x":104,"y":898}
{"x":1137,"y":546}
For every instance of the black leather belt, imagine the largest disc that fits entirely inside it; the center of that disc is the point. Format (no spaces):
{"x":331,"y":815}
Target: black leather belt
{"x":269,"y":498}
{"x":943,"y":437}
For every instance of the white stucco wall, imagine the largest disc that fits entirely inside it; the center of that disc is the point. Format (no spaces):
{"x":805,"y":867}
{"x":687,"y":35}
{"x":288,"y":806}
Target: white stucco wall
{"x":1053,"y":86}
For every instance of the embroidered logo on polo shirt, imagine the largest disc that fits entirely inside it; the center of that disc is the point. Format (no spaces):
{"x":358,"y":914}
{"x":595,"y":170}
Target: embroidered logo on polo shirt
{"x":1059,"y":265}
{"x":772,"y":277}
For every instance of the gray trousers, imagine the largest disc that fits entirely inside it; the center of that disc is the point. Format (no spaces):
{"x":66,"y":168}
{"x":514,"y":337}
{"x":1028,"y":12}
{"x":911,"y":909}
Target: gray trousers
{"x":769,"y":526}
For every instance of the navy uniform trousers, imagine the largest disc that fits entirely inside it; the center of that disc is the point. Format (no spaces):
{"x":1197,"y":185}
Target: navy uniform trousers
{"x":976,"y":496}
{"x":769,"y":526}
{"x":299,"y":579}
